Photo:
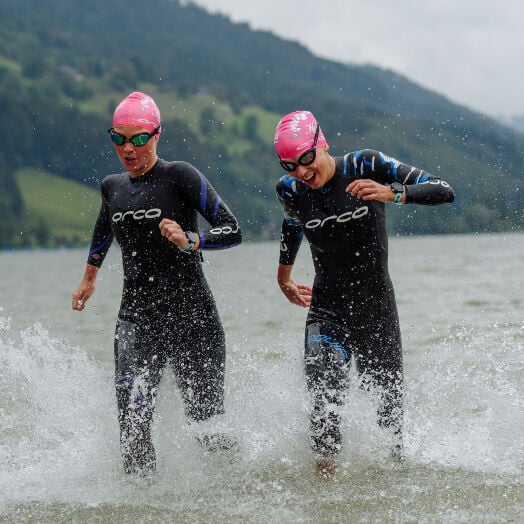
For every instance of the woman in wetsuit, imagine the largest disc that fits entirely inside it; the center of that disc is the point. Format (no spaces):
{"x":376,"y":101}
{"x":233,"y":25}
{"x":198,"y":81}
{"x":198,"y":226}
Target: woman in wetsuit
{"x":167,"y":313}
{"x":338,"y":204}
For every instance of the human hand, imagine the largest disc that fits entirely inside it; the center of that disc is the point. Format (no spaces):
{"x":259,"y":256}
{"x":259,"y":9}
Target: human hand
{"x":81,"y":295}
{"x":298,"y":294}
{"x":367,"y":189}
{"x":85,"y":289}
{"x":173,"y":232}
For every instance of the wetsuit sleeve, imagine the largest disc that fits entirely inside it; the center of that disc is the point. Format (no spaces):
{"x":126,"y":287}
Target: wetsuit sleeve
{"x":421,"y":187}
{"x":290,"y":240}
{"x":225,"y":231}
{"x":291,"y":233}
{"x":102,"y":234}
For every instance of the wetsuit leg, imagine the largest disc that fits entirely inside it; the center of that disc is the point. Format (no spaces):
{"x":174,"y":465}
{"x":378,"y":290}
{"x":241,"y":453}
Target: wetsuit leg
{"x":327,"y":362}
{"x":379,"y":362}
{"x":199,"y":364}
{"x":138,"y":368}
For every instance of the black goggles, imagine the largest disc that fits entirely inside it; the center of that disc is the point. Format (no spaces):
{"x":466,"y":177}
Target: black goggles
{"x":137,"y":140}
{"x":306,"y":158}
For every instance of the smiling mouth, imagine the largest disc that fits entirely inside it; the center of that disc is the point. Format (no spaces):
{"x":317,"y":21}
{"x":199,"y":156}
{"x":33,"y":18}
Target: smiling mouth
{"x":309,"y":177}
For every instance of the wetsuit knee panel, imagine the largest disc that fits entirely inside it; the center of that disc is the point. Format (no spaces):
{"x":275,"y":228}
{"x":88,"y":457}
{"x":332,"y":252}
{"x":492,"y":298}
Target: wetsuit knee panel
{"x":327,"y":356}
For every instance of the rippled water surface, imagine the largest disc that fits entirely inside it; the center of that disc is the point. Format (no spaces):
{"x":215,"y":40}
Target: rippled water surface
{"x":461,"y":304}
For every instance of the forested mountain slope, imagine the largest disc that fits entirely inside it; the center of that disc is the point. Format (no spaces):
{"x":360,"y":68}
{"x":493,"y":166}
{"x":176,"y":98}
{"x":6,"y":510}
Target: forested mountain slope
{"x":221,"y":88}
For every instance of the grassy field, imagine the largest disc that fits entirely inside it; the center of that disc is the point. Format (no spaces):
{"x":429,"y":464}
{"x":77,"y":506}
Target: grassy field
{"x":61,"y":210}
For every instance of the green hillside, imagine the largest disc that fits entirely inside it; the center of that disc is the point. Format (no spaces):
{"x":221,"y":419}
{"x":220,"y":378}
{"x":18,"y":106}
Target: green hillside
{"x":58,"y":211}
{"x":221,"y":88}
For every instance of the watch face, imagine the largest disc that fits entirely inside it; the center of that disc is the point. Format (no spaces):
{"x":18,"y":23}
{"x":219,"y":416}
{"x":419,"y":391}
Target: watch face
{"x":192,"y":237}
{"x":397,"y":187}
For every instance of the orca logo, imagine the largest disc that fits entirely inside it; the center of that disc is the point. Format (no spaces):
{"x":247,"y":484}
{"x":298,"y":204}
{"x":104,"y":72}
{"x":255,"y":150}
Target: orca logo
{"x":226,"y":230}
{"x":438,"y":182}
{"x":344,"y":217}
{"x":139,"y":214}
{"x":283,"y":245}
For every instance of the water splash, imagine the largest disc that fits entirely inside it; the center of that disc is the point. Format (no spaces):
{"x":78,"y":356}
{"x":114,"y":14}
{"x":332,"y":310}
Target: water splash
{"x":60,"y":459}
{"x":55,"y":417}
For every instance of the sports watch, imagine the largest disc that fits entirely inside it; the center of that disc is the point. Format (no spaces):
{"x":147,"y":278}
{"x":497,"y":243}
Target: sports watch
{"x":192,"y":240}
{"x":398,"y":189}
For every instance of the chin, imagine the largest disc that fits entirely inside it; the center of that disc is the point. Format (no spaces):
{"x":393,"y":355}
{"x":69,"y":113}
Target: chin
{"x":315,"y":183}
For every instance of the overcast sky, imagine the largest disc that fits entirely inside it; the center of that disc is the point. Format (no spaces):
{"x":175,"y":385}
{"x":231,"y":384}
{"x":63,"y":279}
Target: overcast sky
{"x":471,"y":51}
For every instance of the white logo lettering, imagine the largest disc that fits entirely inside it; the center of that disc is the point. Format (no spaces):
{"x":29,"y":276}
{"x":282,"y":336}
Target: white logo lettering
{"x":438,"y":182}
{"x":344,"y":217}
{"x":139,"y":214}
{"x":226,"y":230}
{"x":283,"y":245}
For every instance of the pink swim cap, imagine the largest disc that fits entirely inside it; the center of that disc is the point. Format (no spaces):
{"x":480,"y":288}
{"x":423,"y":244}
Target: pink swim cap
{"x":295,"y":133}
{"x":137,"y":109}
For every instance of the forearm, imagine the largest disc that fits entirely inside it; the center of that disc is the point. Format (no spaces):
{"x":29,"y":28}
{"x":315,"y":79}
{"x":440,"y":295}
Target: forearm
{"x":433,"y":192}
{"x":290,"y":240}
{"x":90,"y":273}
{"x":102,"y":238}
{"x":222,"y":235}
{"x":420,"y":186}
{"x":284,"y":273}
{"x":225,"y":231}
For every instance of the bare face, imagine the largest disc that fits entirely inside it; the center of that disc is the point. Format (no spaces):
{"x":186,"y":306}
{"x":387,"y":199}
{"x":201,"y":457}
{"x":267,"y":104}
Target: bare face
{"x":136,"y":159}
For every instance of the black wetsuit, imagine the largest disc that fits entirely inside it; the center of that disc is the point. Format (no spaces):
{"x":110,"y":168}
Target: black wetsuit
{"x":353,"y":309}
{"x":167,"y":314}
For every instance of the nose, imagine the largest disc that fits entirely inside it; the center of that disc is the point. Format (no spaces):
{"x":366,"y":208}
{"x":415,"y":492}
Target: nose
{"x":128,"y":145}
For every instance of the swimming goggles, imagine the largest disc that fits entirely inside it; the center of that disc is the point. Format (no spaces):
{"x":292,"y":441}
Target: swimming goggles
{"x":137,"y":140}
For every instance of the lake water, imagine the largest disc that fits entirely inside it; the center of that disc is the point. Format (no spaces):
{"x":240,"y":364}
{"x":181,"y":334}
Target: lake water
{"x":461,"y":305}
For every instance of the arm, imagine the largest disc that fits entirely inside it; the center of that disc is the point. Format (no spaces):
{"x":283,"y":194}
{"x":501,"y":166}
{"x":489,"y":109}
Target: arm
{"x":102,"y":233}
{"x":375,"y":172}
{"x":290,"y":240}
{"x":225,"y":231}
{"x":100,"y":243}
{"x":200,"y":195}
{"x":85,"y":289}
